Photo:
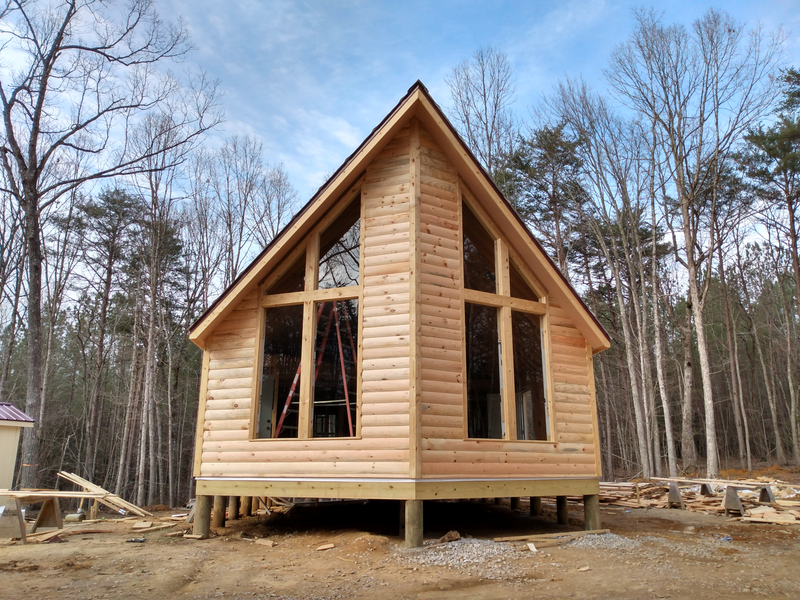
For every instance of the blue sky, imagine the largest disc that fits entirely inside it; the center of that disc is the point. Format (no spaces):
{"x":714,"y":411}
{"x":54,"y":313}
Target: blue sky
{"x":311,"y":79}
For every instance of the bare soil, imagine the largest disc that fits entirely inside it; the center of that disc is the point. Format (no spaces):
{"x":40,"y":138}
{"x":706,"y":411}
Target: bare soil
{"x":654,"y":554}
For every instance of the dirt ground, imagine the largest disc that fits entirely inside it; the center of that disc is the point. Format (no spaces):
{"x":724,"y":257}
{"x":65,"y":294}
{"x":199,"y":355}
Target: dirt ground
{"x":650,"y":554}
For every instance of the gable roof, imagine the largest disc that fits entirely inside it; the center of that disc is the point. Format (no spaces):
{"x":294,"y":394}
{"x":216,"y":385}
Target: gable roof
{"x":417,"y":102}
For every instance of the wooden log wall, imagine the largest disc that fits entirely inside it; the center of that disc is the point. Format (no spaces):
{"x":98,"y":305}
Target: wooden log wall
{"x":445,"y":452}
{"x":410,"y":187}
{"x":441,"y":298}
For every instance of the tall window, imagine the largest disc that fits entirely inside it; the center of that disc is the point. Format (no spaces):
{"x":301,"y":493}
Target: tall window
{"x":504,"y":350}
{"x":309,"y":366}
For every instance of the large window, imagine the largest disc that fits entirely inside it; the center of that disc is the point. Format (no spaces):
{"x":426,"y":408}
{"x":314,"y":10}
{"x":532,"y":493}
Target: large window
{"x":505,"y":360}
{"x":308,"y":383}
{"x":335,"y":397}
{"x":278,"y":407}
{"x":484,"y":407}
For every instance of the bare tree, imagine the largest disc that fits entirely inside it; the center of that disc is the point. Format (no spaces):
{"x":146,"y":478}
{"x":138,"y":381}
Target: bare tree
{"x":482,"y":88}
{"x":273,"y":206}
{"x":701,"y":89}
{"x":85,"y":71}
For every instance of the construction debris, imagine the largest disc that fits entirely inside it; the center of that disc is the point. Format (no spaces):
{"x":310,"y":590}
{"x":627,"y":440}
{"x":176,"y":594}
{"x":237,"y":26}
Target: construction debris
{"x":105,"y":497}
{"x":759,"y":500}
{"x":551,"y":539}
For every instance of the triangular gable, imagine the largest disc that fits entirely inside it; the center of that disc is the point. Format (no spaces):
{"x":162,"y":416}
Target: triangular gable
{"x":419,"y":103}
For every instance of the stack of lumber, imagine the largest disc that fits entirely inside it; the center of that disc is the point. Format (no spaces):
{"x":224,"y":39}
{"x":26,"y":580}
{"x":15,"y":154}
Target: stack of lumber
{"x":655,"y":494}
{"x":105,"y":497}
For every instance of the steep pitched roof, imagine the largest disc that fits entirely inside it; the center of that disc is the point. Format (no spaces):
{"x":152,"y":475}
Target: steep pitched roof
{"x":417,"y":102}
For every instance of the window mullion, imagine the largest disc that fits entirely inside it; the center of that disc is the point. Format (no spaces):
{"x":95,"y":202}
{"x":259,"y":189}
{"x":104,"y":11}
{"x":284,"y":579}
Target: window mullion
{"x":306,"y":371}
{"x":506,"y":344}
{"x":507,"y":361}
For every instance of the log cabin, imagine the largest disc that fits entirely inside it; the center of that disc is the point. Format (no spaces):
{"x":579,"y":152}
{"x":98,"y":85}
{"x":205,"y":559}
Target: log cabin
{"x":404,"y":337}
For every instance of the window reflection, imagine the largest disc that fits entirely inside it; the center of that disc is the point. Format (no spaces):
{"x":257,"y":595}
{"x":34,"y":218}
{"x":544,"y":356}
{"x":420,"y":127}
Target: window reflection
{"x":335,"y":345}
{"x":531,"y":406}
{"x":484,"y":405}
{"x":280,"y":373}
{"x":479,"y":268}
{"x":339,"y":250}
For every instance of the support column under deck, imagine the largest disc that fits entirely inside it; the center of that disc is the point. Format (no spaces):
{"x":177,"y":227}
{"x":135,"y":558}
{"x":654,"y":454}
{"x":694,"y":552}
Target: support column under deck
{"x":536,"y":506}
{"x":562,"y":514}
{"x":218,"y":516}
{"x":591,"y":511}
{"x":413,"y":524}
{"x":202,"y":516}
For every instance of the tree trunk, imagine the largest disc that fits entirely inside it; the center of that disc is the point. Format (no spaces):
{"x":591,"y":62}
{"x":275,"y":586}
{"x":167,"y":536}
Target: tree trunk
{"x":94,"y":398}
{"x":737,"y":415}
{"x":31,"y":435}
{"x":662,"y":381}
{"x":688,"y":450}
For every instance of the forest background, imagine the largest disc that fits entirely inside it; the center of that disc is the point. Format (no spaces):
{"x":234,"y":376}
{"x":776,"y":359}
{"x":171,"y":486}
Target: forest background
{"x":669,"y":200}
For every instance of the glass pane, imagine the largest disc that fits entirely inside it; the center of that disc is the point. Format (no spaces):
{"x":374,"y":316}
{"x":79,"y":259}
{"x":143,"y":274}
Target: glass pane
{"x":335,"y":346}
{"x":479,"y":273}
{"x":532,"y":421}
{"x":484,"y":410}
{"x":294,"y":280}
{"x":280,"y":375}
{"x":339,"y":249}
{"x":520,"y":287}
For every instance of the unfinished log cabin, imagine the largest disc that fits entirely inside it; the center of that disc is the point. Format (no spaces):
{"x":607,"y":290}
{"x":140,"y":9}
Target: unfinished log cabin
{"x":404,"y":337}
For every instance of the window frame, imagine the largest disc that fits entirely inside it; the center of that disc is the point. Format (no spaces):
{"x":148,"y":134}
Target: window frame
{"x":505,"y":303}
{"x":307,"y":298}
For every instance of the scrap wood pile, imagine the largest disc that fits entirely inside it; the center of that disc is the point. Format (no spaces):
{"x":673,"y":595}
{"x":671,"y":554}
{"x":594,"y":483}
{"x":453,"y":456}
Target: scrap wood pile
{"x":49,"y":526}
{"x":711,"y":496}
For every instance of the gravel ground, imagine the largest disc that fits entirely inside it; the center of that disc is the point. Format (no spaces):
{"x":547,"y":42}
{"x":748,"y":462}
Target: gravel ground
{"x":481,"y":558}
{"x":606,"y":541}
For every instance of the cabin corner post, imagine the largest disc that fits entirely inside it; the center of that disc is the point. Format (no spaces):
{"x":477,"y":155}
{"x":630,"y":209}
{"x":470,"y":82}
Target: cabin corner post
{"x":415,"y":412}
{"x":201,"y":414}
{"x":598,"y":458}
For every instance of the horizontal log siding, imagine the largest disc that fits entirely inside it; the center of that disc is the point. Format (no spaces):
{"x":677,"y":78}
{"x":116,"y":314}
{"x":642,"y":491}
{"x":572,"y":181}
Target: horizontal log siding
{"x":445,"y":454}
{"x":386,"y":309}
{"x":383,"y":447}
{"x":441,"y":326}
{"x":572,"y":400}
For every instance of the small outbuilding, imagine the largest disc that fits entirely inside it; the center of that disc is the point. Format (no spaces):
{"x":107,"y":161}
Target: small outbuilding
{"x":12,"y":420}
{"x":404,"y":337}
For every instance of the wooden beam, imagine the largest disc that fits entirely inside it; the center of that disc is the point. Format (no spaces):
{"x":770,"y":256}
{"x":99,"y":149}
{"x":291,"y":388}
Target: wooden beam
{"x":487,"y":299}
{"x":201,"y":415}
{"x":399,"y":489}
{"x":326,"y":295}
